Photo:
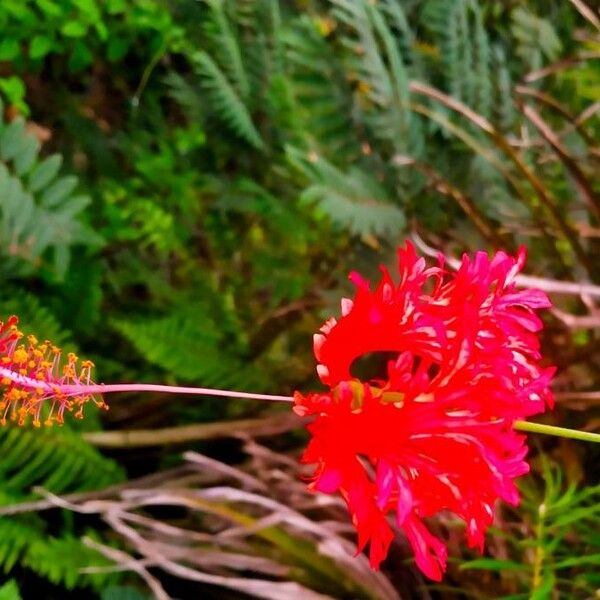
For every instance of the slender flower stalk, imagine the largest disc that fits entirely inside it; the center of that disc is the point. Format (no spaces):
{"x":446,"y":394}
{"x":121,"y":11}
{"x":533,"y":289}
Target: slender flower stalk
{"x":83,"y":390}
{"x":74,"y":390}
{"x":571,"y":434}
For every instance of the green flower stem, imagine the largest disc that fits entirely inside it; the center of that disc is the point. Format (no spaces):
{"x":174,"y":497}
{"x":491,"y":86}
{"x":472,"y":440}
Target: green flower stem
{"x":572,"y":434}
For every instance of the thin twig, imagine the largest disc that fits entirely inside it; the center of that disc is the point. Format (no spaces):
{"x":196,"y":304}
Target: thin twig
{"x":586,"y":12}
{"x":186,"y":433}
{"x":576,"y":321}
{"x":541,"y":283}
{"x":588,"y":397}
{"x":560,"y":65}
{"x":443,"y":186}
{"x":126,"y":560}
{"x":545,"y":197}
{"x":570,"y":163}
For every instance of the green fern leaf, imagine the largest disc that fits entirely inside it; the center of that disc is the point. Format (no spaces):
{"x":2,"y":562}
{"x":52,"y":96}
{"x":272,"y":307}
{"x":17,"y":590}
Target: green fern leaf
{"x":352,"y":199}
{"x":227,"y":48}
{"x":61,"y":560}
{"x":39,"y":211}
{"x":16,"y":535}
{"x":10,"y":591}
{"x":189,"y":346}
{"x":56,"y":459}
{"x":35,"y":318}
{"x":226,"y":102}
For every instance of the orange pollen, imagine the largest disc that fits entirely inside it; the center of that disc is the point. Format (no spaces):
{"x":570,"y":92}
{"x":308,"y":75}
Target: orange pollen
{"x":43,"y":403}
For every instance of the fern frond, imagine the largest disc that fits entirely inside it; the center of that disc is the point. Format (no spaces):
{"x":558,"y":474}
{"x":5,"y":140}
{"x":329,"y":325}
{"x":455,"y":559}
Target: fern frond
{"x":464,"y":46}
{"x":10,"y":591}
{"x":375,"y":54}
{"x":227,"y":48}
{"x":189,"y":346}
{"x":503,"y":107}
{"x":56,"y":459}
{"x":321,"y":95}
{"x":536,"y":37}
{"x":352,"y":199}
{"x":61,"y":560}
{"x":39,"y":210}
{"x":17,"y":534}
{"x":34,"y":315}
{"x":226,"y":102}
{"x":185,"y":94}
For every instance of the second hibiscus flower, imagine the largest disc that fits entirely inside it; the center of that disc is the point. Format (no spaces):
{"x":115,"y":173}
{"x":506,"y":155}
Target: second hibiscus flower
{"x":437,"y":433}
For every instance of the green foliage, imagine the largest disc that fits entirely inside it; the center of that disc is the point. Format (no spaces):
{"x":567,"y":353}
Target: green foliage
{"x":40,"y":213}
{"x":10,"y":591}
{"x":354,"y":200}
{"x":227,"y":102}
{"x":558,"y":516}
{"x":121,"y":592}
{"x":464,"y":49}
{"x":189,"y":345}
{"x":17,"y":535}
{"x":536,"y":37}
{"x":56,"y":459}
{"x":61,"y":561}
{"x":79,"y":29}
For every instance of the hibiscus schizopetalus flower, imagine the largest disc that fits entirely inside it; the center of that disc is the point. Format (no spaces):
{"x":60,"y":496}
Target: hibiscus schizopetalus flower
{"x":37,"y":383}
{"x":436,"y":434}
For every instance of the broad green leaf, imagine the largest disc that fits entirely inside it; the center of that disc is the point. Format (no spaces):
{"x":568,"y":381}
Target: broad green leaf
{"x":81,"y":57}
{"x":50,"y":7}
{"x":74,"y":29}
{"x":58,"y":191}
{"x":10,"y":591}
{"x":13,"y":139}
{"x":40,"y":46}
{"x":117,"y":48}
{"x":25,"y":159}
{"x":44,"y":172}
{"x":9,"y":49}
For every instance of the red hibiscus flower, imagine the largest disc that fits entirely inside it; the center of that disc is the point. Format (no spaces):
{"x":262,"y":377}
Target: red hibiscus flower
{"x":437,"y":434}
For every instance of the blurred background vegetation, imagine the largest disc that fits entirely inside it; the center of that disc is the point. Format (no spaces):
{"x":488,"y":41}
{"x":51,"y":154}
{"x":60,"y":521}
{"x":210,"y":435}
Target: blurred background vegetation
{"x":184,"y":186}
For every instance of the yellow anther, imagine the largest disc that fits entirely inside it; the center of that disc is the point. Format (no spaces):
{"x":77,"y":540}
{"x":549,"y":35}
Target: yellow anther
{"x":87,"y":364}
{"x":6,"y":360}
{"x":68,"y":371}
{"x":73,"y":358}
{"x":31,"y":364}
{"x":6,"y":381}
{"x":39,"y":391}
{"x":36,"y":423}
{"x":32,"y":340}
{"x":20,"y":356}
